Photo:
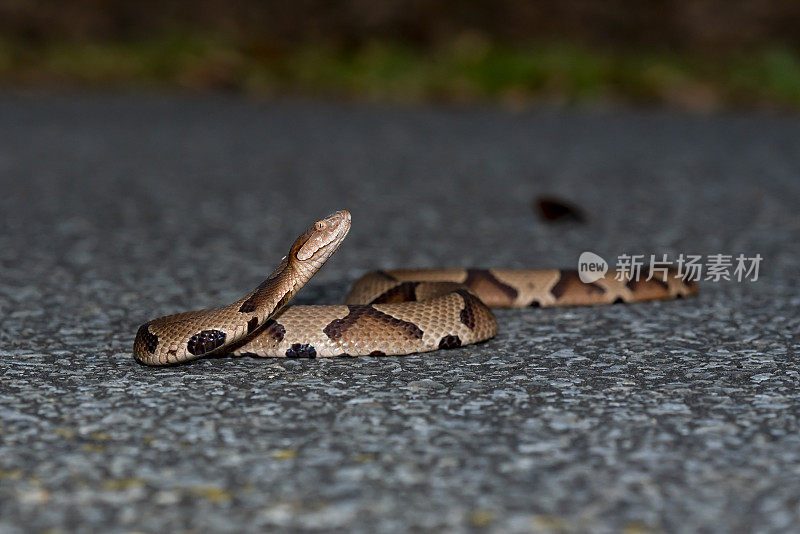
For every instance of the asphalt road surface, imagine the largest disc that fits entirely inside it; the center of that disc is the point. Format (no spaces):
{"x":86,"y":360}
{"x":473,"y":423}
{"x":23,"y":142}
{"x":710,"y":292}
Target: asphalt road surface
{"x":645,"y":418}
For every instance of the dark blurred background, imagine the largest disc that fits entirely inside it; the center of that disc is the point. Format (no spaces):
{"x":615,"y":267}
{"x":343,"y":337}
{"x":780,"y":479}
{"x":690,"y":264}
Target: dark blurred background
{"x":696,"y":54}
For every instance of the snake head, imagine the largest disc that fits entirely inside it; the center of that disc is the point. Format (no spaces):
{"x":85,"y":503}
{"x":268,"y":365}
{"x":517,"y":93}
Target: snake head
{"x":321,"y":240}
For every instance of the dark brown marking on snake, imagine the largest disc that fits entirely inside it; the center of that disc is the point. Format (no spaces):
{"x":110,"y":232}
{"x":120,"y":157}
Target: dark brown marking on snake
{"x":274,"y":330}
{"x":252,"y":324}
{"x":338,"y":327}
{"x":284,"y":299}
{"x":449,"y":342}
{"x":298,"y":350}
{"x":471,"y":303}
{"x":478,"y":278}
{"x":634,"y":284}
{"x":146,"y":338}
{"x":535,"y":304}
{"x":385,"y":275}
{"x":265,"y":290}
{"x":404,"y":292}
{"x":569,"y":279}
{"x":555,"y":209}
{"x":663,"y":283}
{"x":377,"y":353}
{"x":618,"y":300}
{"x":205,"y":341}
{"x":250,"y":305}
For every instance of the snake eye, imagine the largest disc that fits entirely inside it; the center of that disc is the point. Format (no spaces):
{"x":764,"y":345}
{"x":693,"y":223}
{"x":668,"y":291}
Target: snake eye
{"x":319,"y":225}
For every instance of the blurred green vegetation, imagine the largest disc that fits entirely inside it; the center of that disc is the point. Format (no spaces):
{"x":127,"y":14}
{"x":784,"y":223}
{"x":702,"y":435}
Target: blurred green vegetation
{"x":466,"y":69}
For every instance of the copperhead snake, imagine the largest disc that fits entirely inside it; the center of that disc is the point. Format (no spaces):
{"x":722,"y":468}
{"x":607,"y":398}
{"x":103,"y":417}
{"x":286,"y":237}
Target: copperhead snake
{"x":386,"y":312}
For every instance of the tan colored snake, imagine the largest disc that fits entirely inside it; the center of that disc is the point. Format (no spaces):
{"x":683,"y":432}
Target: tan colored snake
{"x":387,"y":312}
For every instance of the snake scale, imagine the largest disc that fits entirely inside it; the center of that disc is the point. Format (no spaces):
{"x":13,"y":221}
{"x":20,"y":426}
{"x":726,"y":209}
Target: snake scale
{"x":386,"y":312}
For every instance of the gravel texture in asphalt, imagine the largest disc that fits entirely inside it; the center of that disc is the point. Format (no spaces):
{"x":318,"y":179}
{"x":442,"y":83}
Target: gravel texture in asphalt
{"x":649,"y":417}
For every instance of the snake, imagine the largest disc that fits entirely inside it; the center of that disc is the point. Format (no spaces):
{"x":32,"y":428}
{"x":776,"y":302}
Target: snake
{"x":390,"y":312}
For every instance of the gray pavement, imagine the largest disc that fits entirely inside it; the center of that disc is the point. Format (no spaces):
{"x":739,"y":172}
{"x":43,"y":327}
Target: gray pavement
{"x":660,"y":417}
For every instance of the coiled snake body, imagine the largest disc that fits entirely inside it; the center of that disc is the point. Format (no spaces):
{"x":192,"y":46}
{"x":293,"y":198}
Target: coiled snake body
{"x":386,"y":312}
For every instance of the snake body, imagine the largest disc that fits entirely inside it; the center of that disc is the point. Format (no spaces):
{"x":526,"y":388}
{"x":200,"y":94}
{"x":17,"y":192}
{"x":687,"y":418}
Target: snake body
{"x":386,"y":312}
